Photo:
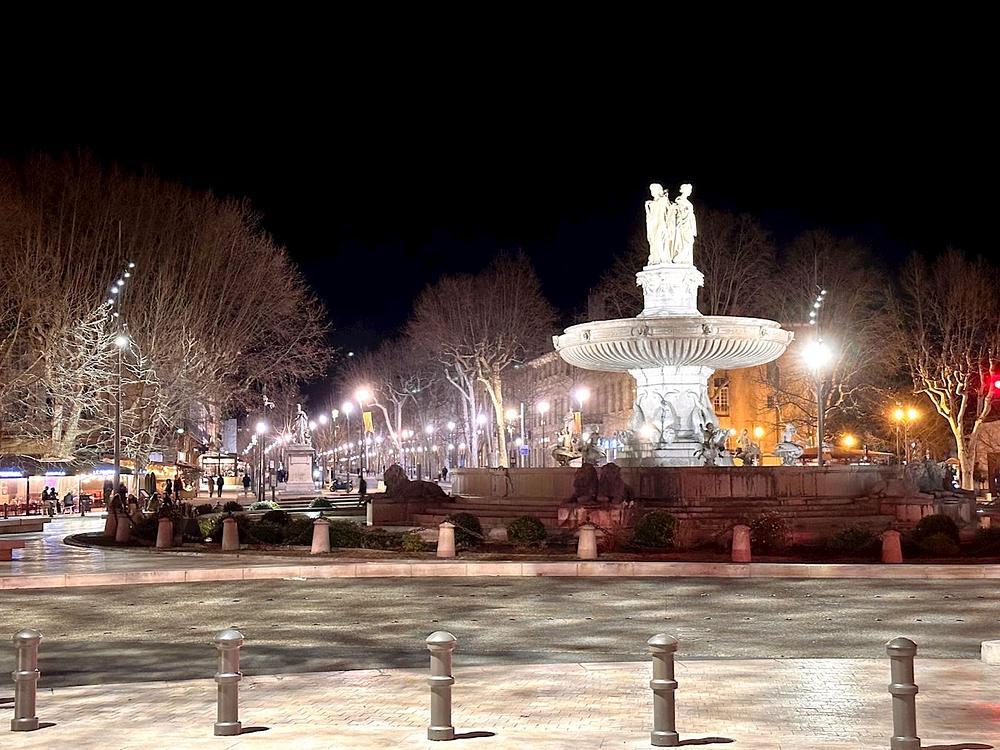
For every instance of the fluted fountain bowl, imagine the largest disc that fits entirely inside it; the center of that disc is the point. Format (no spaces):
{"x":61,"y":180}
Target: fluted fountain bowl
{"x":716,"y":342}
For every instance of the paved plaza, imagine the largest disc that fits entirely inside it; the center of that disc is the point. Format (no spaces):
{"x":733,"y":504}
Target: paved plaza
{"x":542,"y":662}
{"x":801,"y":704}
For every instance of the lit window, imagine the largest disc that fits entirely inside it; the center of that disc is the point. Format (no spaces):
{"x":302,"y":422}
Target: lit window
{"x":720,"y":398}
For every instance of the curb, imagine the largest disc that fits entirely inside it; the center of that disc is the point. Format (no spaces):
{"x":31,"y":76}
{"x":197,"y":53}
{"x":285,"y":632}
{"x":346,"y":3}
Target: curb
{"x":458,"y":569}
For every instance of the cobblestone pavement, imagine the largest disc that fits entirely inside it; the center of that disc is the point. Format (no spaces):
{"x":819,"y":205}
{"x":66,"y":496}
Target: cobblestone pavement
{"x":157,"y":632}
{"x":805,"y":704}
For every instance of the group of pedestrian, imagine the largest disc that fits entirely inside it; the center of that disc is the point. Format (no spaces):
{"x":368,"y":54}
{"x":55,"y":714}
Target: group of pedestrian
{"x":216,"y":483}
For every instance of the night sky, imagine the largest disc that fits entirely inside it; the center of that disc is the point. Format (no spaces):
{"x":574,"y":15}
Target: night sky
{"x":380,"y":194}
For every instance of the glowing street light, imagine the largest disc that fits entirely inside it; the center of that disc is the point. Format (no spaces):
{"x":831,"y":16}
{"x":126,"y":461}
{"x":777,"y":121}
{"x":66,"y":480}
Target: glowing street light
{"x":582,"y":395}
{"x":758,"y":432}
{"x":323,"y":419}
{"x":904,"y":417}
{"x":817,"y":355}
{"x":543,"y":409}
{"x":849,"y":441}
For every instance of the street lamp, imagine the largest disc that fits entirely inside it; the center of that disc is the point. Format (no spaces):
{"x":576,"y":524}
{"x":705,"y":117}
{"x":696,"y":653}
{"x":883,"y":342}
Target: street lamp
{"x":363,"y":395}
{"x":817,"y":356}
{"x":582,"y":395}
{"x":121,"y":341}
{"x":543,"y":409}
{"x":346,"y":408}
{"x":904,"y":417}
{"x":261,"y":428}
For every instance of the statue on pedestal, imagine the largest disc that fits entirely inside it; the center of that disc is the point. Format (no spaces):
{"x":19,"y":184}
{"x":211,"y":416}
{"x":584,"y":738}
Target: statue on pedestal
{"x":748,"y":451}
{"x":659,"y":225}
{"x":685,"y":229}
{"x":787,"y":450}
{"x":300,"y":427}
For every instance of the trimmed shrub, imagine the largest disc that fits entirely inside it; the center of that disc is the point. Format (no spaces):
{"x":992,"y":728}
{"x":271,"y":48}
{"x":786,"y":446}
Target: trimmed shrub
{"x":526,"y":530}
{"x":987,"y":542}
{"x":204,"y":509}
{"x":298,"y":530}
{"x":265,"y":532}
{"x":232,"y":506}
{"x":939,"y":545}
{"x":242,"y":526}
{"x":321,"y":502}
{"x":265,"y":505}
{"x":468,"y":530}
{"x":769,"y":532}
{"x":206,"y":524}
{"x":853,"y":540}
{"x":146,"y":528}
{"x":413,"y":542}
{"x":279,"y":517}
{"x":345,"y":533}
{"x":381,"y":539}
{"x":655,"y":529}
{"x":932,"y":525}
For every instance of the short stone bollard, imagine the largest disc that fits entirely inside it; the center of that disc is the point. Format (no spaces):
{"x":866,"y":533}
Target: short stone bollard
{"x":446,"y":539}
{"x":741,"y":544}
{"x":586,"y":544}
{"x":321,"y":536}
{"x":441,"y":645}
{"x":892,"y":551}
{"x":904,"y":695}
{"x":124,"y":530}
{"x":369,"y":512}
{"x":164,"y":533}
{"x":230,"y":535}
{"x":25,"y":680}
{"x":228,"y":642}
{"x":663,"y":685}
{"x":111,"y":525}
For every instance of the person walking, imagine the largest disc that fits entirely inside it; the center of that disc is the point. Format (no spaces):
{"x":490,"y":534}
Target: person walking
{"x":362,"y":490}
{"x":211,"y":486}
{"x":219,"y":482}
{"x":246,"y":483}
{"x":68,"y":502}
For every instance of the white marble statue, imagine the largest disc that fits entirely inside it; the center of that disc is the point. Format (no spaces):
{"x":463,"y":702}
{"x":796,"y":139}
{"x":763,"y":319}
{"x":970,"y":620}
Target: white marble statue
{"x":788,"y":450}
{"x":300,"y":434}
{"x":788,"y":436}
{"x":685,"y":229}
{"x":659,"y":225}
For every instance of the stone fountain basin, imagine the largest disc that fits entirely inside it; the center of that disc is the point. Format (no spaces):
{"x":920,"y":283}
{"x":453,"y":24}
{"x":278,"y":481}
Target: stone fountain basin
{"x":712,"y":341}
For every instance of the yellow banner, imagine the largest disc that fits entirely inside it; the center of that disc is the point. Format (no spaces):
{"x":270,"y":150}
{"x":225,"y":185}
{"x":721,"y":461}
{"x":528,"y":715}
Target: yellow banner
{"x":578,"y":422}
{"x":367,"y":417}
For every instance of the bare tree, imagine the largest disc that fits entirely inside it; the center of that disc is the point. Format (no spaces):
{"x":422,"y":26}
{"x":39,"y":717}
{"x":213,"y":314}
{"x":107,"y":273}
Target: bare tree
{"x":480,"y":325}
{"x":948,"y":320}
{"x":215,"y":312}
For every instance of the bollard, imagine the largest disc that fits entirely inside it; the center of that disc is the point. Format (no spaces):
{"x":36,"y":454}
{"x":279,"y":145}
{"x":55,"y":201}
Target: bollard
{"x":228,"y":642}
{"x":741,"y":544}
{"x":111,"y":525}
{"x":123,"y":532}
{"x":25,"y":680}
{"x":892,"y":551}
{"x":321,"y":536}
{"x":369,"y":513}
{"x":446,"y":539}
{"x":164,"y":533}
{"x":663,"y":685}
{"x":230,"y":535}
{"x":904,"y":691}
{"x":441,"y":646}
{"x":586,"y":545}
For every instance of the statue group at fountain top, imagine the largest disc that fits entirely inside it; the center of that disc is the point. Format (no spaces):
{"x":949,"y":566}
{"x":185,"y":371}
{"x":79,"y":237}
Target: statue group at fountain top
{"x":571,"y":447}
{"x":670,"y":227}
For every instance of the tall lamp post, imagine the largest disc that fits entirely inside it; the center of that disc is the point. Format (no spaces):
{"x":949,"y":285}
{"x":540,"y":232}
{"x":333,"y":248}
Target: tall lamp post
{"x":817,"y":356}
{"x":362,"y":396}
{"x":121,"y":341}
{"x":261,"y":428}
{"x":543,"y":409}
{"x":904,"y":417}
{"x":346,"y":408}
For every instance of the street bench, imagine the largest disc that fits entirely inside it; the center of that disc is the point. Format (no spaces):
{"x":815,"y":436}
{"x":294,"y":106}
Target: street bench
{"x":7,"y":547}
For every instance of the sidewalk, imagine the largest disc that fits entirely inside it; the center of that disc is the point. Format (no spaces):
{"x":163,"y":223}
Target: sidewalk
{"x":806,"y":704}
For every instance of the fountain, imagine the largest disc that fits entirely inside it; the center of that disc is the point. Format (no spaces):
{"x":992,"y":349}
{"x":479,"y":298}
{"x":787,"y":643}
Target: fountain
{"x":670,"y":348}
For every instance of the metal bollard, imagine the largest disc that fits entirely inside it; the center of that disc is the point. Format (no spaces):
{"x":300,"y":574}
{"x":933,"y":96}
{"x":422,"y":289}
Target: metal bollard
{"x":25,"y":680}
{"x":663,"y":685}
{"x":441,"y":646}
{"x":228,"y":718}
{"x":904,"y":691}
